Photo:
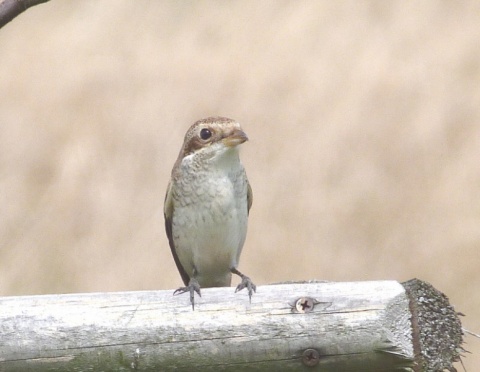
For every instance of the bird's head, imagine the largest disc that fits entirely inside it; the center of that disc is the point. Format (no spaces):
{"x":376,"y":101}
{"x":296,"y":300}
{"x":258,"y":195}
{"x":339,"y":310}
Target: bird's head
{"x":212,"y":137}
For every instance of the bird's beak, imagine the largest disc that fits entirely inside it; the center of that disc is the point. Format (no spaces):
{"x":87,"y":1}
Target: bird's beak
{"x":235,"y":138}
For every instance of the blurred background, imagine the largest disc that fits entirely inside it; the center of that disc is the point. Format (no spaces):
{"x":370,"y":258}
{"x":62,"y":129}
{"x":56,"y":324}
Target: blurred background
{"x":364,"y":151}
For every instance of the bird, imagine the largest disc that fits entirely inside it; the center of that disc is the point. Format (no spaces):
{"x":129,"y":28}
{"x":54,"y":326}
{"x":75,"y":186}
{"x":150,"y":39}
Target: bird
{"x":206,"y":208}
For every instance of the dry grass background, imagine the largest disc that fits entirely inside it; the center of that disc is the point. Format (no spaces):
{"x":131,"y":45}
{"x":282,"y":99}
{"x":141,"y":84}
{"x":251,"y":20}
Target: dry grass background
{"x":364,"y":151}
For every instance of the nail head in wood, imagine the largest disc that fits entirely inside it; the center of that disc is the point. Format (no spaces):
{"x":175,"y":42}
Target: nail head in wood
{"x":310,"y":357}
{"x":304,"y":304}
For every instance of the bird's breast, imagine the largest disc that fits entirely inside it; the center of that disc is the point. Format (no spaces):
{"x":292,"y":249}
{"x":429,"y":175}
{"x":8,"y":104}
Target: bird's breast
{"x":209,"y":223}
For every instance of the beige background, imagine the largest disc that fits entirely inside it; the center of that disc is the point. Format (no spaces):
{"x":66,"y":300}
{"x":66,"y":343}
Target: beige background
{"x":364,"y":151}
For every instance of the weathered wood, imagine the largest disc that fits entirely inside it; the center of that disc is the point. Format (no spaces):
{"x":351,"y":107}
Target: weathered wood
{"x":436,"y":327}
{"x":360,"y":326}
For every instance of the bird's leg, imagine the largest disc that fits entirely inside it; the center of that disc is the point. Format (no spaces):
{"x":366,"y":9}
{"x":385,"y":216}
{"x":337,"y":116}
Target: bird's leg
{"x":245,"y":283}
{"x":192,"y":287}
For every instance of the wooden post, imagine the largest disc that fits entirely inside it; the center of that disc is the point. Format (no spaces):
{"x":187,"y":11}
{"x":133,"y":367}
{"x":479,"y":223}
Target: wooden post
{"x":358,"y":326}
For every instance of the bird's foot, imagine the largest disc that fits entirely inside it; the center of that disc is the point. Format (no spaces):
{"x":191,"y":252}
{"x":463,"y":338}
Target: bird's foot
{"x":245,"y":283}
{"x":192,"y":287}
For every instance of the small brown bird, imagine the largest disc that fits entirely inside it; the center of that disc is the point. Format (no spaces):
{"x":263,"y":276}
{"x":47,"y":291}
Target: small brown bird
{"x":206,"y":207}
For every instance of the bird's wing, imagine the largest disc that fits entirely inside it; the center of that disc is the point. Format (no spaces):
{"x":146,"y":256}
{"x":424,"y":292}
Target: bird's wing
{"x":249,"y":196}
{"x":168,"y":213}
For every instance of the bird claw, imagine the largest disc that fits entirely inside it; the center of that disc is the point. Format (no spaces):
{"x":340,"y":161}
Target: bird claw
{"x":192,"y":287}
{"x":247,"y":283}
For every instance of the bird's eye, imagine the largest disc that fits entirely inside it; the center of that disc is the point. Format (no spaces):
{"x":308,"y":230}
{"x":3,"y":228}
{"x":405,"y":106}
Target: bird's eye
{"x":205,"y":134}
